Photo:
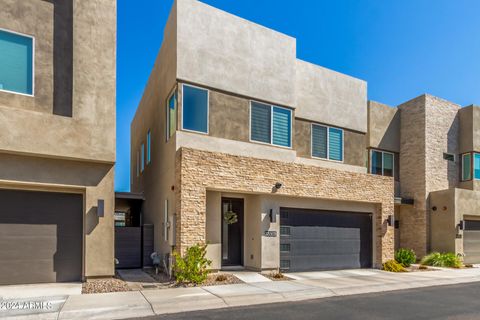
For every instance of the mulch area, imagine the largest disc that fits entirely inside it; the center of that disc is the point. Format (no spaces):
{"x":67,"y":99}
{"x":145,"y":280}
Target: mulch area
{"x":104,"y":286}
{"x":276,"y":276}
{"x":213,"y":279}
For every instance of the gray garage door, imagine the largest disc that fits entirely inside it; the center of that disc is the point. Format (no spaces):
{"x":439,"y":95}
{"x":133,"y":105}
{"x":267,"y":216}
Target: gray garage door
{"x":324,"y":240}
{"x":471,"y":241}
{"x":40,"y":237}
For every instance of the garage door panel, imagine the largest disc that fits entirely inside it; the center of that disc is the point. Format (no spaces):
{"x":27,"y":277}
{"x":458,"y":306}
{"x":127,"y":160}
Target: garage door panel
{"x":40,"y":237}
{"x":323,"y":240}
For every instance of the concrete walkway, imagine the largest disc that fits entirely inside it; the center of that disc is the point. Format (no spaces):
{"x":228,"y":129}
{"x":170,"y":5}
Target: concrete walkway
{"x":309,"y":285}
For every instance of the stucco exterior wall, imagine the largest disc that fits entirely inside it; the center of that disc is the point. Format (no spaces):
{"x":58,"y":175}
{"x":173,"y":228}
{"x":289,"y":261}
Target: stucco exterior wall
{"x":383,"y":127}
{"x":330,"y":97}
{"x":198,"y":171}
{"x":158,"y":178}
{"x":89,"y":133}
{"x":219,"y":50}
{"x":469,"y":118}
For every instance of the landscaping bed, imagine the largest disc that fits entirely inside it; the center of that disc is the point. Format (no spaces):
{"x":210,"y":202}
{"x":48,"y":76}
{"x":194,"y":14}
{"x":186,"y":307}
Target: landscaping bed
{"x":104,"y":286}
{"x":276,"y":276}
{"x":213,"y":279}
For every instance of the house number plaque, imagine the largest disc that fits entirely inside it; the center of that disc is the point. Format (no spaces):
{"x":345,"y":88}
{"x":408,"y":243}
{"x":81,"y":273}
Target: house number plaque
{"x":270,"y":234}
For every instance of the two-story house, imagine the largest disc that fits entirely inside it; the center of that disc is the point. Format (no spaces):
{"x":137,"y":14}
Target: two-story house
{"x":57,"y":139}
{"x":239,"y":144}
{"x":431,"y":147}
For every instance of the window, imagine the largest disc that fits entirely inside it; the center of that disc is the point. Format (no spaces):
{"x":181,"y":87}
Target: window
{"x":142,"y":158}
{"x":466,"y":166}
{"x":138,"y":164}
{"x":165,"y":221}
{"x":195,"y":109}
{"x":270,"y":124}
{"x":327,"y":142}
{"x":149,"y":147}
{"x":16,"y":62}
{"x":476,"y":165}
{"x":171,"y":114}
{"x":382,"y":163}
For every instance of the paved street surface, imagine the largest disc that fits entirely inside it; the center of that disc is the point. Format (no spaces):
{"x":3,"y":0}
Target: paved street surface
{"x":442,"y":302}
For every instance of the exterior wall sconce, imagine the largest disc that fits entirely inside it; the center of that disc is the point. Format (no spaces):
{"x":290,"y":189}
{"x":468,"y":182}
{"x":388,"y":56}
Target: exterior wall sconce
{"x":278,"y":185}
{"x":101,"y":208}
{"x":389,"y":220}
{"x":461,"y":225}
{"x":273,"y":216}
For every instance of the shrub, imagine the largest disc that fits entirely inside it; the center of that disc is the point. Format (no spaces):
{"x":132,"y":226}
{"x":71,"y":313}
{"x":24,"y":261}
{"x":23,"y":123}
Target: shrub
{"x":221,"y":278}
{"x":405,"y":257}
{"x":446,"y":260}
{"x":192,"y":267}
{"x":393,"y":266}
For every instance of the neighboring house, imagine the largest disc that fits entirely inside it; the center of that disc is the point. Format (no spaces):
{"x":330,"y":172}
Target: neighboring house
{"x":239,"y":144}
{"x":434,"y":148}
{"x":57,"y":139}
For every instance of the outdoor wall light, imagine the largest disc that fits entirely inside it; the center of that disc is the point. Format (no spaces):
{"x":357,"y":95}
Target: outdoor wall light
{"x":278,"y":185}
{"x":390,"y":220}
{"x":100,"y":208}
{"x":461,"y":225}
{"x":273,"y":216}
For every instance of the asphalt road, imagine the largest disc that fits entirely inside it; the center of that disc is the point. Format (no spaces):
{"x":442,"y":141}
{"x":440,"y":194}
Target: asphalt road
{"x":443,"y":302}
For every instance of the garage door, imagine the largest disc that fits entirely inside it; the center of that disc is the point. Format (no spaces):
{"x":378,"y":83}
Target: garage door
{"x":324,"y":240}
{"x":471,"y":241}
{"x":40,"y":237}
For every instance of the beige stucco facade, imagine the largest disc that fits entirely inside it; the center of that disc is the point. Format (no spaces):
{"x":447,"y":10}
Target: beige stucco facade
{"x":62,"y":138}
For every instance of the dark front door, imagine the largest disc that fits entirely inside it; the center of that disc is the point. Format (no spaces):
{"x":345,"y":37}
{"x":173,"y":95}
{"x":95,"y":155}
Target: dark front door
{"x":324,"y":240}
{"x":232,"y":232}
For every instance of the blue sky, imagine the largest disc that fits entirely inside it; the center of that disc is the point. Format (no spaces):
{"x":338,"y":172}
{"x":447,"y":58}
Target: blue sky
{"x":401,"y":48}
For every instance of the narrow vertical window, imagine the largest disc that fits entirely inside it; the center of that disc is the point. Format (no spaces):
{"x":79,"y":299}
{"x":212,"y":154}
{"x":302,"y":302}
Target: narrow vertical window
{"x":138,"y":164}
{"x":476,"y":166}
{"x":319,"y":141}
{"x":142,"y":158}
{"x":466,"y":167}
{"x":149,"y":147}
{"x":195,"y":109}
{"x":282,"y":124}
{"x":260,"y":122}
{"x":16,"y":63}
{"x":335,"y":144}
{"x":172,"y":114}
{"x":388,"y":164}
{"x":376,"y":162}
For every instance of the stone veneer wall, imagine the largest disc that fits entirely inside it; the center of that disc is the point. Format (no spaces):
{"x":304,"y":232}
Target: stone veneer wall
{"x":198,"y":171}
{"x":429,"y":127}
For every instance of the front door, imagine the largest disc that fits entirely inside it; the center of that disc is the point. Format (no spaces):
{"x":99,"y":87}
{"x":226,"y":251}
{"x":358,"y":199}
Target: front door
{"x":232,"y":232}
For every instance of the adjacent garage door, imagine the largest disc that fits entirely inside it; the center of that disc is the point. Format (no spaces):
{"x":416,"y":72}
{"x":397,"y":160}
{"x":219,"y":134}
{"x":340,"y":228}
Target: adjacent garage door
{"x":324,"y":240}
{"x":40,"y":237}
{"x":471,"y":241}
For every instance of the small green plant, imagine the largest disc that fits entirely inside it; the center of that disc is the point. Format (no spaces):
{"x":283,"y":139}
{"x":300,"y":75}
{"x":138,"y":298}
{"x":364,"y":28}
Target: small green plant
{"x":445,"y":260}
{"x":277,"y":275}
{"x":193,"y":266}
{"x":405,"y":257}
{"x":393,"y":266}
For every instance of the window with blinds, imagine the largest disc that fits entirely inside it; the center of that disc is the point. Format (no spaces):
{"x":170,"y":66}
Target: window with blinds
{"x":16,"y":62}
{"x":327,"y":142}
{"x":270,"y":124}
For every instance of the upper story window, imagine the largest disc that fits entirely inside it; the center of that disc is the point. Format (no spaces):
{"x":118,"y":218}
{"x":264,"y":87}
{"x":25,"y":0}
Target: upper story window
{"x":138,"y":163}
{"x":142,"y":157}
{"x":382,"y":163}
{"x":270,"y":124}
{"x":195,"y":109}
{"x":171,"y":114}
{"x":16,"y":62}
{"x":327,"y":142}
{"x":149,"y":147}
{"x":470,"y":166}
